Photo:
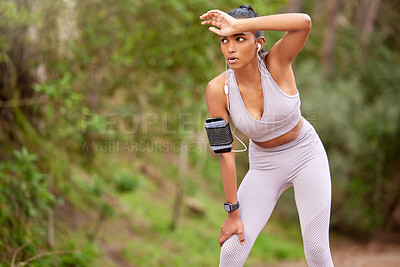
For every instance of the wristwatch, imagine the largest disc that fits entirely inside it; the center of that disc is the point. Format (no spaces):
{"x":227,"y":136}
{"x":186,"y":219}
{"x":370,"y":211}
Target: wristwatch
{"x":231,"y":207}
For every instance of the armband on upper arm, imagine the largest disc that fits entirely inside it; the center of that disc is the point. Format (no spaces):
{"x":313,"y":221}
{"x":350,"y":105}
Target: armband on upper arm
{"x":219,"y":135}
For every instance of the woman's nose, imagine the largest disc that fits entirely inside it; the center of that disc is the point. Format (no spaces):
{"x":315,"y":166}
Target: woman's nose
{"x":231,"y":48}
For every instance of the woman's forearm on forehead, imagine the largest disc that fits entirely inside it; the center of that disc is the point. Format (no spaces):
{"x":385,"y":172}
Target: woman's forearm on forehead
{"x":278,"y":22}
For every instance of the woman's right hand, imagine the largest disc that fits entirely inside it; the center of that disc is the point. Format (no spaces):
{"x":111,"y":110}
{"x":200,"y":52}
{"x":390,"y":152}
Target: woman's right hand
{"x":220,"y":19}
{"x":232,"y":225}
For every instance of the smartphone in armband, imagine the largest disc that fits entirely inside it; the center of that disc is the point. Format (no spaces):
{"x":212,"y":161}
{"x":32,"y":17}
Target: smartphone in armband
{"x":219,"y":135}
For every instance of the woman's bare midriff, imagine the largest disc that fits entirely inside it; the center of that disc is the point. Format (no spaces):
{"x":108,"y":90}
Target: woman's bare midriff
{"x":283,"y":139}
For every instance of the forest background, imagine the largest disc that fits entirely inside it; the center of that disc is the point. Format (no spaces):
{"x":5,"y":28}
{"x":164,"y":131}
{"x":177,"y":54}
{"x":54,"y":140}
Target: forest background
{"x":104,"y":160}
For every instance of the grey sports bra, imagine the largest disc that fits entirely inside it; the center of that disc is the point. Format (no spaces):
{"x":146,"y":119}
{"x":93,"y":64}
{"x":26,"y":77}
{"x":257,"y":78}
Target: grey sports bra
{"x":281,"y":111}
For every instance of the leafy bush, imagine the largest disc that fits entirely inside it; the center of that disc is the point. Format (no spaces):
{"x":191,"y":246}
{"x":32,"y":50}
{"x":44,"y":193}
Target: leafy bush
{"x":25,"y":200}
{"x":126,"y":182}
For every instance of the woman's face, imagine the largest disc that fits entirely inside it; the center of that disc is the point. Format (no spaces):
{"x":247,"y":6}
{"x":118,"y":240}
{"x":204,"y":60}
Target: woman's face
{"x":239,"y":49}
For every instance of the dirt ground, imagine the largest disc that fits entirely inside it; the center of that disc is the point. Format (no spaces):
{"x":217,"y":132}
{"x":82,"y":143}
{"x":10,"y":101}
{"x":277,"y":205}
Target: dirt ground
{"x":348,"y":253}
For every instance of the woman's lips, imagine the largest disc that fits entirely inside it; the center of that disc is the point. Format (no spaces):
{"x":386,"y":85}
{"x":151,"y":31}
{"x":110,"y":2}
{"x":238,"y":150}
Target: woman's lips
{"x":232,"y":60}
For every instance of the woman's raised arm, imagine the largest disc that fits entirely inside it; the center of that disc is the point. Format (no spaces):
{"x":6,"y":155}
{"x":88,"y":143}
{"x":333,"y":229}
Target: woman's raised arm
{"x":296,"y":25}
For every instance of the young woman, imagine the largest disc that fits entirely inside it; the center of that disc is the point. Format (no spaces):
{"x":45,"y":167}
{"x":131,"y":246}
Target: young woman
{"x":284,"y":149}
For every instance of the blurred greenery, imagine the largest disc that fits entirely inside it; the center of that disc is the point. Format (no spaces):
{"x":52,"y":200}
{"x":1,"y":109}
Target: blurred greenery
{"x":102,"y":146}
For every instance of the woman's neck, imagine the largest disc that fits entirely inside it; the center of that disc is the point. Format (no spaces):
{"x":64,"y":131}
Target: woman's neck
{"x":249,"y":75}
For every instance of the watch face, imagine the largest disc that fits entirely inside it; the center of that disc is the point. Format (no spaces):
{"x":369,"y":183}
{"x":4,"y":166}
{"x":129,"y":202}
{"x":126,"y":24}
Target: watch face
{"x":227,"y":207}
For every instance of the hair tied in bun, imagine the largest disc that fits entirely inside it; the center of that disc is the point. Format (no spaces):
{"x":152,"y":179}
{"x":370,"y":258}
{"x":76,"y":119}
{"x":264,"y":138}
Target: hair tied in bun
{"x":248,"y":7}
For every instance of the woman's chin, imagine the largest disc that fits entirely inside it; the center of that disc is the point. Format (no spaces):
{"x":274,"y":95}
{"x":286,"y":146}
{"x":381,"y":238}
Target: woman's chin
{"x":234,"y":66}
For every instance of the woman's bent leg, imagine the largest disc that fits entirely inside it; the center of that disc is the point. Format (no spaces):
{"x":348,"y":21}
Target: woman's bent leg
{"x":257,"y":195}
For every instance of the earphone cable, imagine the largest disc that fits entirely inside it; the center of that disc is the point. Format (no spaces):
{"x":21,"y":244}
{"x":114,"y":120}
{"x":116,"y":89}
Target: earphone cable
{"x":265,"y":72}
{"x":226,"y":90}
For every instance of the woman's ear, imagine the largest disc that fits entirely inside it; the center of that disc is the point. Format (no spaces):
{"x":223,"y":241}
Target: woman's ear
{"x":261,"y":41}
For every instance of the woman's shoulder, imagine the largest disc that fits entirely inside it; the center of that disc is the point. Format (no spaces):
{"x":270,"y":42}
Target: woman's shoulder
{"x":216,"y":85}
{"x":215,"y":97}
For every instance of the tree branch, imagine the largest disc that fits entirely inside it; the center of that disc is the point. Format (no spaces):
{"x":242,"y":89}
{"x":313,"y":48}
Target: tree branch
{"x":23,"y":102}
{"x":43,"y":254}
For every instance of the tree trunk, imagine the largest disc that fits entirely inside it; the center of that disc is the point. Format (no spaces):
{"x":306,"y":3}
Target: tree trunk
{"x":368,"y":22}
{"x":319,"y":11}
{"x":394,"y":202}
{"x":182,"y":173}
{"x":329,"y":37}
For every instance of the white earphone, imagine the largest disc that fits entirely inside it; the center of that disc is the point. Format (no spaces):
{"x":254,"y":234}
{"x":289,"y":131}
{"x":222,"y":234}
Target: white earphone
{"x":258,"y":47}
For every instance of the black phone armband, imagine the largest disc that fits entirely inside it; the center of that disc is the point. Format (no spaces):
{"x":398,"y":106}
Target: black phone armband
{"x":219,"y":135}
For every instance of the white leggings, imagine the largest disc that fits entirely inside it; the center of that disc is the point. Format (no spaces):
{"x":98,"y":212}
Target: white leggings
{"x":301,"y":163}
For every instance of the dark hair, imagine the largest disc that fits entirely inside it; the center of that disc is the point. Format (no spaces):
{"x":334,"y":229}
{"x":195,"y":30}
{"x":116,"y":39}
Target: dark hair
{"x":245,"y":12}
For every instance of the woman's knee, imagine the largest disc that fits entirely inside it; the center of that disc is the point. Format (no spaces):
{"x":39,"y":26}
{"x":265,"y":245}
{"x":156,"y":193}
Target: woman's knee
{"x":318,"y":255}
{"x":314,"y":212}
{"x":316,"y":241}
{"x":233,"y":253}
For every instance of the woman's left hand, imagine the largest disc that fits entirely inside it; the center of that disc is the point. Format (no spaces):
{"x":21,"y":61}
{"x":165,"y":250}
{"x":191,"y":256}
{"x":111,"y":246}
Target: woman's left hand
{"x":227,"y":24}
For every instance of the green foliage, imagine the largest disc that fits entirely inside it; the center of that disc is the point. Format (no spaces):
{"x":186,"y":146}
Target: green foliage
{"x":126,"y":182}
{"x":12,"y":16}
{"x":70,"y":258}
{"x":65,"y":113}
{"x":25,"y":200}
{"x":276,"y":248}
{"x":131,"y":39}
